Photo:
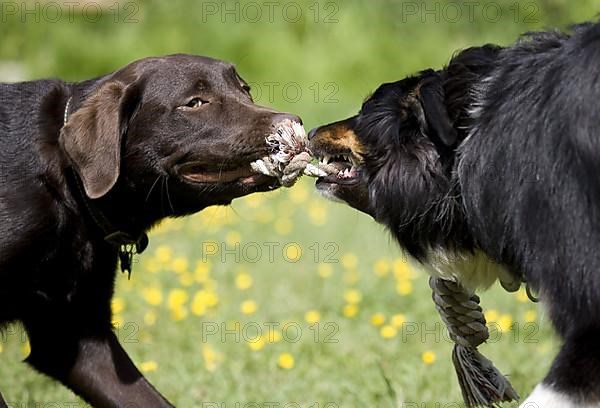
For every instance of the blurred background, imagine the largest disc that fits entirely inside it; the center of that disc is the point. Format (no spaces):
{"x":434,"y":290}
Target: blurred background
{"x":282,"y":299}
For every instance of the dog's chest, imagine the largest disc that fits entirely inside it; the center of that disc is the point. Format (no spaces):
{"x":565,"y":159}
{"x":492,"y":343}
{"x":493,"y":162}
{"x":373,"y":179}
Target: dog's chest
{"x":472,"y":270}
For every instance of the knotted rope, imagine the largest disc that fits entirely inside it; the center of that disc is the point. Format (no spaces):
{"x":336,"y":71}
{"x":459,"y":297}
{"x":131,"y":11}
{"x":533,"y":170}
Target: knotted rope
{"x":290,"y":157}
{"x":480,"y":382}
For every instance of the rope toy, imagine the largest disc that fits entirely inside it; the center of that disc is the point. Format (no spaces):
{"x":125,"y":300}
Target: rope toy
{"x":290,"y":156}
{"x":480,"y":382}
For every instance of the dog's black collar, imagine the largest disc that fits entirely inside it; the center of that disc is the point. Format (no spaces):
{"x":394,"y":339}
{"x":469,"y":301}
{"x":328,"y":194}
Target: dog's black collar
{"x":127,"y":244}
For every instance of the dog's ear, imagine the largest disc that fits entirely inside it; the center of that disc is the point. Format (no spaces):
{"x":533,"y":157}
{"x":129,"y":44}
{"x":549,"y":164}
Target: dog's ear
{"x":429,"y":107}
{"x":92,"y":136}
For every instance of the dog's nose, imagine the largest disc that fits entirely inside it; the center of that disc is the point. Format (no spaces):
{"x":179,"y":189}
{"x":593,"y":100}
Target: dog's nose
{"x":312,"y":133}
{"x":280,"y":117}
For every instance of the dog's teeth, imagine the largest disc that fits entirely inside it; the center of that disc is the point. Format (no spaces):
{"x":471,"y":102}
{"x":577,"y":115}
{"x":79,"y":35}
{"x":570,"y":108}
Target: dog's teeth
{"x":326,"y":159}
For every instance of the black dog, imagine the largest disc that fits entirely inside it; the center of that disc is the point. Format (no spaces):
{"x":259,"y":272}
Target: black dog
{"x":86,"y":169}
{"x":493,"y":159}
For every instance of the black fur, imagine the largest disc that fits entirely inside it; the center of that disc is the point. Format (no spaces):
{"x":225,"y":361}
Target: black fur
{"x":516,"y":174}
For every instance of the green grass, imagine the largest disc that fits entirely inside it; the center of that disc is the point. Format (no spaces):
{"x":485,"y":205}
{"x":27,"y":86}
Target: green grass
{"x":368,"y":45}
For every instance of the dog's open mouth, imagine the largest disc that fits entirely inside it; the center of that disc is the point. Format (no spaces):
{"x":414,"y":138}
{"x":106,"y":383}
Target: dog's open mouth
{"x":340,"y":169}
{"x":244,"y":175}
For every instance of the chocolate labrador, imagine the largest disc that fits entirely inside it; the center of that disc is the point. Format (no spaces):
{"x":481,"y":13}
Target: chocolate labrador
{"x":87,"y":168}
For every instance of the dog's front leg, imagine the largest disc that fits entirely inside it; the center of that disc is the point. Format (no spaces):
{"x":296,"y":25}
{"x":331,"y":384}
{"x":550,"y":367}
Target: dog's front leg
{"x":104,"y":375}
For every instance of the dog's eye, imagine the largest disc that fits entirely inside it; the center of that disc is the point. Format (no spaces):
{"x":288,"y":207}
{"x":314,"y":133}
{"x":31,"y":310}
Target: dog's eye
{"x":194,"y":103}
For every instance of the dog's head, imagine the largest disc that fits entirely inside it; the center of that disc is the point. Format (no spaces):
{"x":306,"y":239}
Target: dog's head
{"x":180,"y":131}
{"x":392,"y":156}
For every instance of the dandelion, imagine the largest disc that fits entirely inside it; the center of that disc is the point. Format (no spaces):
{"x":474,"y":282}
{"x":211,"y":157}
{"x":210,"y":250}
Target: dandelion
{"x":211,"y":358}
{"x":232,"y":238}
{"x":312,"y":316}
{"x":299,"y":194}
{"x":25,"y":349}
{"x":398,"y":320}
{"x":150,"y":318}
{"x":522,"y":295}
{"x":324,"y":270}
{"x":351,"y":277}
{"x":350,"y":310}
{"x":349,"y":260}
{"x":148,"y":366}
{"x":317,"y":214}
{"x":211,"y":298}
{"x":378,"y":319}
{"x":248,"y":307}
{"x":177,"y":297}
{"x":388,"y":332}
{"x":530,"y":316}
{"x":202,"y":272}
{"x":404,"y":288}
{"x":257,"y":344}
{"x":352,"y":296}
{"x":152,"y":296}
{"x":381,"y":267}
{"x":186,"y":279}
{"x":179,"y":313}
{"x":117,"y":305}
{"x":286,"y":361}
{"x":505,"y":322}
{"x":243,"y":281}
{"x":284,"y":226}
{"x":292,"y":252}
{"x":428,"y":357}
{"x":117,"y":320}
{"x":179,"y":265}
{"x":403,"y":270}
{"x":492,"y":315}
{"x":164,"y":254}
{"x":198,"y":305}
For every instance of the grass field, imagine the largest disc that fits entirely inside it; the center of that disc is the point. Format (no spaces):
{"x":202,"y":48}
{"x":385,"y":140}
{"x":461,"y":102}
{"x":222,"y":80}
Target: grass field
{"x":284,"y":299}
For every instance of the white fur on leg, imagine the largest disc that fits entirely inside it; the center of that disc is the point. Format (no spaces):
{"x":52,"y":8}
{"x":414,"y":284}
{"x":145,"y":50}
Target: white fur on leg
{"x":544,"y":397}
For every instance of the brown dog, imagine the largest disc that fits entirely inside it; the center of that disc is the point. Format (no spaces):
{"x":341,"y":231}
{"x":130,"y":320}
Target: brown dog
{"x":87,"y":168}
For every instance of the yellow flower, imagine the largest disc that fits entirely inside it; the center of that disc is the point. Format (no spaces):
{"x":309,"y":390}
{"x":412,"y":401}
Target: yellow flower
{"x":211,"y":298}
{"x":177,"y":297}
{"x":378,"y":319}
{"x":352,"y":296}
{"x":199,"y":306}
{"x":351,"y":277}
{"x":179,"y":313}
{"x":350,"y":310}
{"x":248,"y":307}
{"x":505,"y":322}
{"x":317,"y":214}
{"x":202,"y":272}
{"x":530,"y":316}
{"x":286,"y":361}
{"x":274,"y":336}
{"x":284,"y":226}
{"x":349,"y":260}
{"x":117,"y":305}
{"x":388,"y":332}
{"x":152,"y":295}
{"x":243,"y":281}
{"x":211,"y":358}
{"x":312,"y":316}
{"x":179,"y":265}
{"x":298,"y":194}
{"x":150,"y":318}
{"x":148,"y":366}
{"x":491,"y":315}
{"x":381,"y":267}
{"x":522,"y":295}
{"x":324,"y":270}
{"x":232,"y":238}
{"x":402,"y":269}
{"x":164,"y":254}
{"x":404,"y":287}
{"x":428,"y":357}
{"x":292,"y":252}
{"x":398,"y":320}
{"x":257,"y":344}
{"x":186,"y":279}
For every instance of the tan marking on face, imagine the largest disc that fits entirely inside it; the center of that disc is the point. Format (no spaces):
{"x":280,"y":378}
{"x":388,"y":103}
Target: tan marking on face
{"x":338,"y":138}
